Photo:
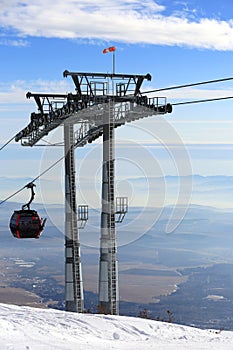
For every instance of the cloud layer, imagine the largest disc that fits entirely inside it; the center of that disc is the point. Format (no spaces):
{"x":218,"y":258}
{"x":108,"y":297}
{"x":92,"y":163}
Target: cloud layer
{"x":14,"y":93}
{"x":129,"y":21}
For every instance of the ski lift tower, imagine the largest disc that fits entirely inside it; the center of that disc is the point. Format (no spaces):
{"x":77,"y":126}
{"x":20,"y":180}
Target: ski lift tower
{"x":114,"y":99}
{"x":101,"y":103}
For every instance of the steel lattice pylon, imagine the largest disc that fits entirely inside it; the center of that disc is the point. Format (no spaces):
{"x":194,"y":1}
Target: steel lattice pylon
{"x":100,"y":103}
{"x":73,"y":270}
{"x":108,"y":271}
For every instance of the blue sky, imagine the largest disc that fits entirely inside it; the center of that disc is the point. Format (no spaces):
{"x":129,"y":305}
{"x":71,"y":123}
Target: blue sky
{"x":177,"y":42}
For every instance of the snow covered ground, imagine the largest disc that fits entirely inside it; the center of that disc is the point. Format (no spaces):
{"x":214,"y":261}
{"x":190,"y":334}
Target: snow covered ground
{"x":25,"y":328}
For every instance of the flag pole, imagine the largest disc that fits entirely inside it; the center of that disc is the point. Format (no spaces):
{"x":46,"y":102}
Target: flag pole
{"x":111,"y":49}
{"x":113,"y":62}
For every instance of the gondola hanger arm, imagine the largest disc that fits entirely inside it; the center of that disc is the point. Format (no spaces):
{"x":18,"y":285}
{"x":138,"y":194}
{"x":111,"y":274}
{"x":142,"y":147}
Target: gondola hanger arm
{"x":27,"y":205}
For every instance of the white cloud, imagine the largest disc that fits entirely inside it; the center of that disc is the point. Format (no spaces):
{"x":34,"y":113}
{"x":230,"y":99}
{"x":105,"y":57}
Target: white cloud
{"x":14,"y":42}
{"x":15,"y":92}
{"x":130,"y":21}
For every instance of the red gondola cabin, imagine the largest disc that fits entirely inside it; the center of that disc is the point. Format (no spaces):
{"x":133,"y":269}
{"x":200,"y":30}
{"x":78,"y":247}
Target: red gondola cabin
{"x":26,"y":224}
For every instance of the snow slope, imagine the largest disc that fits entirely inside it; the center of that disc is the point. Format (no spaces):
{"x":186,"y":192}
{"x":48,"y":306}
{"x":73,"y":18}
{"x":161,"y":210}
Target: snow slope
{"x":25,"y":328}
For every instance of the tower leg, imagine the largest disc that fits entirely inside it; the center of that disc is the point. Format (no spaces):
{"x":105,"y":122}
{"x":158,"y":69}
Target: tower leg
{"x":108,"y":269}
{"x":73,"y":270}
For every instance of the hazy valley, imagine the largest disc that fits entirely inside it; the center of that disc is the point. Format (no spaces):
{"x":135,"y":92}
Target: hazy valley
{"x":188,"y":271}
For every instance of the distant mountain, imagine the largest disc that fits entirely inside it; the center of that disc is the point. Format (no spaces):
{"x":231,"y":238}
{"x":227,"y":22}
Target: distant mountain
{"x":203,"y":237}
{"x":216,"y":191}
{"x":204,"y":234}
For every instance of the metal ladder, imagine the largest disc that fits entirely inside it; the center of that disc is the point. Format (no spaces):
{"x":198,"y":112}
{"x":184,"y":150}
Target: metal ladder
{"x":113,"y":270}
{"x":74,"y":282}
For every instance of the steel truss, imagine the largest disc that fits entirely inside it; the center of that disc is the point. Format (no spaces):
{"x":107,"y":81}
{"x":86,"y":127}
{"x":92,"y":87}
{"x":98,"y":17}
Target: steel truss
{"x":88,"y":106}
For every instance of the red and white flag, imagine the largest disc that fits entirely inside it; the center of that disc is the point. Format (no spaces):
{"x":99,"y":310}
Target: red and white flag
{"x":109,"y":49}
